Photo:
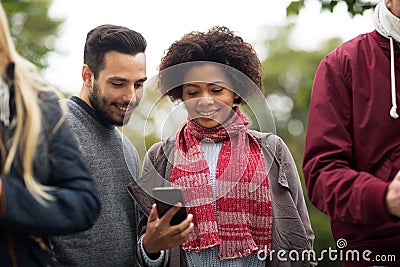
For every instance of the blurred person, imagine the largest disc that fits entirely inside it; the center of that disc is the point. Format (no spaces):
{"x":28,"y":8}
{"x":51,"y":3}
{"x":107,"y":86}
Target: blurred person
{"x":238,"y":208}
{"x":113,"y":74}
{"x":352,"y":153}
{"x":45,"y":187}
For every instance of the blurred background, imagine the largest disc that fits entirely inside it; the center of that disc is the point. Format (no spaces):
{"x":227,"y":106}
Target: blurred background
{"x":290,"y":37}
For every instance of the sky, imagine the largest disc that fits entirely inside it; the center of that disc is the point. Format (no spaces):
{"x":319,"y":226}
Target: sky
{"x":163,"y":22}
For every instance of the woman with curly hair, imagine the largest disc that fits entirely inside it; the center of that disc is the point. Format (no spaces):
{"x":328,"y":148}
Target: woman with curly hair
{"x":240,"y":187}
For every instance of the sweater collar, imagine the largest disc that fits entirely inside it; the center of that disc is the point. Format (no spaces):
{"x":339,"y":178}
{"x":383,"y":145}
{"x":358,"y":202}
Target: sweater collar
{"x":386,"y":23}
{"x":92,"y":112}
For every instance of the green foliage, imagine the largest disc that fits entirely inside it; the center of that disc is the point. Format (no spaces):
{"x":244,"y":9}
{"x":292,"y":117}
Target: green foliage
{"x":294,"y":8}
{"x":288,"y":79}
{"x":33,"y":31}
{"x":288,"y":76}
{"x":354,"y":7}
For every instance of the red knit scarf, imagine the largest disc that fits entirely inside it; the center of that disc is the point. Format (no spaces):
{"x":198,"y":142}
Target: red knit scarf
{"x":244,"y":206}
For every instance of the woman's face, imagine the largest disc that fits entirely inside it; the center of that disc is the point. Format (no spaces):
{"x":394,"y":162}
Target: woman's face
{"x":207,"y":95}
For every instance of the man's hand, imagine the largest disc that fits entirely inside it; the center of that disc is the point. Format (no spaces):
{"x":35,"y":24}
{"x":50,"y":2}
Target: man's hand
{"x":161,"y":235}
{"x":393,"y":196}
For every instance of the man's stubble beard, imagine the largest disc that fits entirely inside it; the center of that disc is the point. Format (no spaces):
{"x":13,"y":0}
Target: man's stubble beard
{"x":99,"y":103}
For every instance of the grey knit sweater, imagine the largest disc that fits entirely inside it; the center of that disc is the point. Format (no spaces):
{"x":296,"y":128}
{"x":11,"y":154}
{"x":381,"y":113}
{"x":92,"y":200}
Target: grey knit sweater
{"x":113,"y":162}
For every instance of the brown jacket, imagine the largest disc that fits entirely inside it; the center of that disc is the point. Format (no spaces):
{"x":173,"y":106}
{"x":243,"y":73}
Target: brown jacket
{"x":291,"y":224}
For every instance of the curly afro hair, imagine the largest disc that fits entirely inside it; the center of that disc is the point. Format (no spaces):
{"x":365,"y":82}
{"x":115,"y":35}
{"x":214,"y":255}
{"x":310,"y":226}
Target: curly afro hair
{"x":219,"y":45}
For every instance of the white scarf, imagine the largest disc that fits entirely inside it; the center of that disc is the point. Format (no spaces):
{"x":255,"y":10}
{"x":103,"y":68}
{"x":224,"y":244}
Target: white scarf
{"x":388,"y":25}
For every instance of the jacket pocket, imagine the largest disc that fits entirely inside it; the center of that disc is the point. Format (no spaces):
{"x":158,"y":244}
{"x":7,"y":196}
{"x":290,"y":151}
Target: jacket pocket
{"x":282,"y":179}
{"x":290,"y":232}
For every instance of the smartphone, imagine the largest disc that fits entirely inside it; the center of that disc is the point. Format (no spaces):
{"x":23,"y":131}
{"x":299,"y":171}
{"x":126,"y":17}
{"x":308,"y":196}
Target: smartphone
{"x":165,"y":198}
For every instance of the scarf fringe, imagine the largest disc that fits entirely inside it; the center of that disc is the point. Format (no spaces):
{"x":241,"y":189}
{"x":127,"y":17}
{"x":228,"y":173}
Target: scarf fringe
{"x":242,"y":248}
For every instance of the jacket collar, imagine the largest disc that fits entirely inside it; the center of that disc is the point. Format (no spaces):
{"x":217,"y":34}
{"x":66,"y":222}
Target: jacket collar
{"x":384,"y":42}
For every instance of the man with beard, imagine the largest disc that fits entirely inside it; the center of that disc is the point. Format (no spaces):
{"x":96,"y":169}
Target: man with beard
{"x":113,"y":74}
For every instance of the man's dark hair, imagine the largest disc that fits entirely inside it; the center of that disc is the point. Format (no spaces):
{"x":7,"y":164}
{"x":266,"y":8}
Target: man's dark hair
{"x":105,"y":38}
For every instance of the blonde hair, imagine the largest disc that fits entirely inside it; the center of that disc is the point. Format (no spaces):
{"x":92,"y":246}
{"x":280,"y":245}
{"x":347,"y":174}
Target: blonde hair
{"x":28,"y":84}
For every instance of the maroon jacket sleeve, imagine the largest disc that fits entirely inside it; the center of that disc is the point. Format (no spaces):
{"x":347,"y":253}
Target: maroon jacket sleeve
{"x":334,"y":185}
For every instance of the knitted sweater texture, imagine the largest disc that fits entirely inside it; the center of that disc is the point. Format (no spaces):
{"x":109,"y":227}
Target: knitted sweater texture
{"x":113,"y":162}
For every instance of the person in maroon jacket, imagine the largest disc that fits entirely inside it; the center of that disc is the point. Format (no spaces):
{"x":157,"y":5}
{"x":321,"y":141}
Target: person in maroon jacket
{"x":352,"y":153}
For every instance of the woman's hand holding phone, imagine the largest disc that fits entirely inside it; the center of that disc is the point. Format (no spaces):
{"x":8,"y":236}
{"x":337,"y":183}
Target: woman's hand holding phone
{"x":160,"y":235}
{"x":165,"y":198}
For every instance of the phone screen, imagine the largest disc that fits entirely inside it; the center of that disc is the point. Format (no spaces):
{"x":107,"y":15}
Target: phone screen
{"x":165,"y":198}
